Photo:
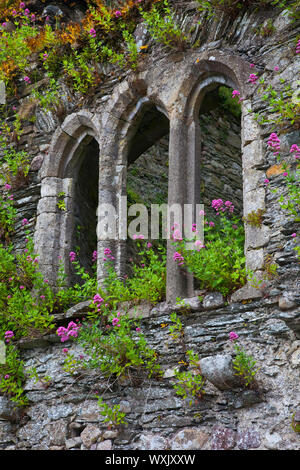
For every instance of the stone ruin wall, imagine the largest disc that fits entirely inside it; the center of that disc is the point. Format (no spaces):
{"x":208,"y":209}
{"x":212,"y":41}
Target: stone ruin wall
{"x":65,"y":415}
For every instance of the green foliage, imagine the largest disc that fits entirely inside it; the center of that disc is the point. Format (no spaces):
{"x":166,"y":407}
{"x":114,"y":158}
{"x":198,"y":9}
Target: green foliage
{"x":115,"y":346}
{"x":14,"y":164}
{"x":148,"y":281}
{"x":220,"y":265}
{"x":162,"y":26}
{"x":190,"y":384}
{"x":12,"y":377}
{"x":112,"y":416}
{"x":244,"y":366}
{"x":7,"y":217}
{"x":176,"y":329}
{"x":228,"y":102}
{"x":254,"y":218}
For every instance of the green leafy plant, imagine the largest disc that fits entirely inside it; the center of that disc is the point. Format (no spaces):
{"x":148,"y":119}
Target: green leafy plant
{"x":220,"y":264}
{"x":243,"y":364}
{"x":162,"y":26}
{"x":254,"y":218}
{"x":112,"y":415}
{"x":190,"y":384}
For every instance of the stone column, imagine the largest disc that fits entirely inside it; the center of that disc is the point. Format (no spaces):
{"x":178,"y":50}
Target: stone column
{"x":181,"y":192}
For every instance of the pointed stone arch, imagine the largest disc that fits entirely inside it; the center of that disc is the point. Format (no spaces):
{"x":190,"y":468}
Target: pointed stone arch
{"x":55,"y":226}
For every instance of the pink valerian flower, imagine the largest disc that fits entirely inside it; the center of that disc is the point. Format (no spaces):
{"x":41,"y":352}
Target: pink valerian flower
{"x":95,"y":256}
{"x":138,"y":329}
{"x":65,"y":350}
{"x":98,"y":300}
{"x":276,"y":68}
{"x":26,"y":12}
{"x":294,"y":235}
{"x":178,"y":258}
{"x":218,"y":205}
{"x":235,"y":93}
{"x":149,"y":245}
{"x":298,"y":47}
{"x":24,"y":222}
{"x":252,"y":66}
{"x":108,"y":254}
{"x":65,"y":333}
{"x":72,"y":256}
{"x":6,"y":376}
{"x":7,"y":186}
{"x":266,"y":181}
{"x":33,"y":17}
{"x":27,"y":80}
{"x":177,"y":235}
{"x":233,"y":336}
{"x":252,"y":78}
{"x":14,"y":13}
{"x":45,"y":56}
{"x":115,"y":321}
{"x":22,"y":287}
{"x":296,"y":150}
{"x":274,"y":142}
{"x":285,"y":174}
{"x":8,"y":335}
{"x":118,"y":14}
{"x":199,"y":245}
{"x":92,"y":32}
{"x":22,"y":5}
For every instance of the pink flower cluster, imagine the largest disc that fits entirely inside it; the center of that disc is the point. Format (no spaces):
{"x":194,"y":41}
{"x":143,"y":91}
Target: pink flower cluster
{"x":252,"y":78}
{"x":93,"y":32}
{"x":98,"y":301}
{"x":177,"y":235}
{"x":95,"y":256}
{"x":178,"y":258}
{"x":221,"y":206}
{"x":233,"y":336}
{"x":108,"y":255}
{"x":72,"y":256}
{"x":235,"y":93}
{"x":116,"y":320}
{"x":8,"y":335}
{"x":296,"y":150}
{"x":298,"y":47}
{"x":65,"y":333}
{"x":274,"y":142}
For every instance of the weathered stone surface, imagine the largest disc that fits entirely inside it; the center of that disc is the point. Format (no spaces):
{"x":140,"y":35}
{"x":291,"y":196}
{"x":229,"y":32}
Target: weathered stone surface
{"x":213,"y":300}
{"x":104,"y":445}
{"x":8,"y":409}
{"x":150,"y":441}
{"x":223,"y":438}
{"x":73,"y":443}
{"x":90,"y":435}
{"x":219,"y":371}
{"x":248,"y":439}
{"x":189,"y":439}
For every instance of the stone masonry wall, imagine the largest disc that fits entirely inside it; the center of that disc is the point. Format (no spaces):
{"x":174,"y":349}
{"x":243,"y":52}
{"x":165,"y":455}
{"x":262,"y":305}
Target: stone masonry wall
{"x":63,"y":414}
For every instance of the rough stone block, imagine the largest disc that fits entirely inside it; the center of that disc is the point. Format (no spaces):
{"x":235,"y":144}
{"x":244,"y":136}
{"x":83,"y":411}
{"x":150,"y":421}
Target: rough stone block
{"x":252,"y":155}
{"x":189,"y":439}
{"x":213,"y":300}
{"x":219,"y":371}
{"x":256,"y":237}
{"x":254,"y":200}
